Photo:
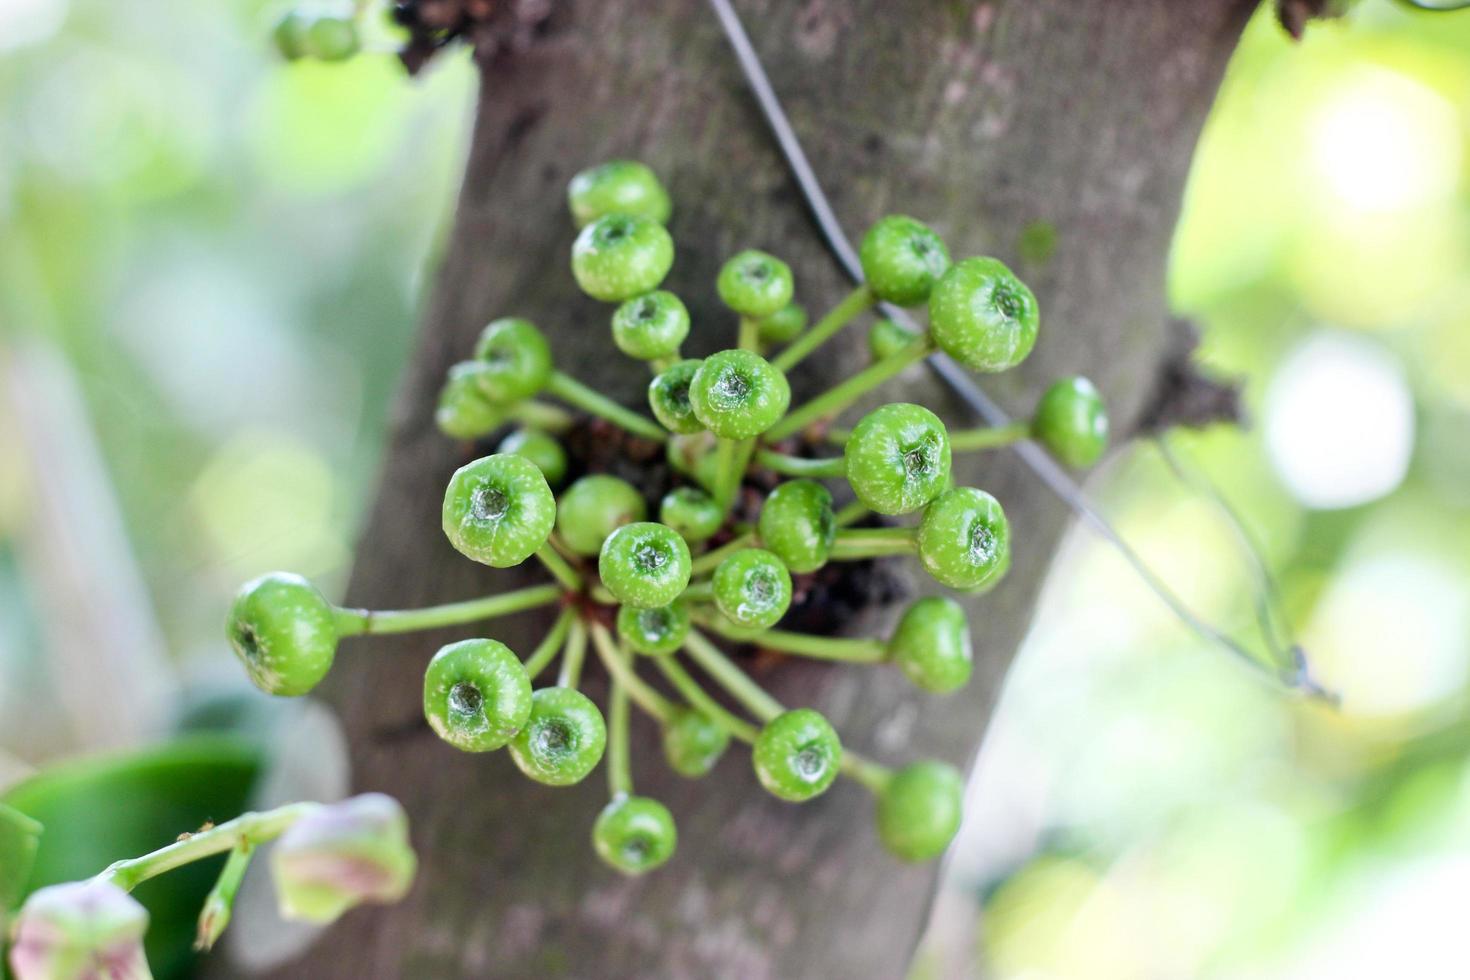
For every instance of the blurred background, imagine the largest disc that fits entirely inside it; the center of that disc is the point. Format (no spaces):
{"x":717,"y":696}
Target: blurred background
{"x":210,"y":267}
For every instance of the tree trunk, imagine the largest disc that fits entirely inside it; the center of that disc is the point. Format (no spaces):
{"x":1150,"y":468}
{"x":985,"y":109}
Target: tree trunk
{"x":1055,"y":134}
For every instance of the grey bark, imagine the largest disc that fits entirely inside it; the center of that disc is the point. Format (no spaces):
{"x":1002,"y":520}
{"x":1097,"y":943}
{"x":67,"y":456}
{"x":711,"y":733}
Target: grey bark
{"x":986,"y":120}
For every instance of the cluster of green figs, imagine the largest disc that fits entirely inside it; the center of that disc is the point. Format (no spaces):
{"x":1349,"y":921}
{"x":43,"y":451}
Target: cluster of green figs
{"x":656,"y":595}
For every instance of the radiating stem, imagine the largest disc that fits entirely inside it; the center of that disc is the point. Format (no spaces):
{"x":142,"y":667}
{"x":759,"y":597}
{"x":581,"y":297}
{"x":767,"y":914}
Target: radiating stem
{"x":550,"y":644}
{"x":819,"y":333}
{"x":700,"y":700}
{"x":805,"y":644}
{"x":842,"y":395}
{"x":710,"y":560}
{"x":619,"y":765}
{"x":850,"y":514}
{"x":966,"y":440}
{"x":872,"y":542}
{"x":617,"y":663}
{"x":750,"y":334}
{"x":574,"y":653}
{"x":699,"y":591}
{"x":560,"y":569}
{"x":575,"y":393}
{"x":254,"y":828}
{"x":788,"y":465}
{"x":713,"y":661}
{"x":731,"y":459}
{"x":756,"y":701}
{"x":863,"y":770}
{"x":539,"y":415}
{"x":351,"y":622}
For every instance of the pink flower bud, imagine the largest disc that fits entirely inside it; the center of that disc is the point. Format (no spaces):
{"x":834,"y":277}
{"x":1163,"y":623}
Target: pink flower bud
{"x":343,"y":855}
{"x":82,"y":930}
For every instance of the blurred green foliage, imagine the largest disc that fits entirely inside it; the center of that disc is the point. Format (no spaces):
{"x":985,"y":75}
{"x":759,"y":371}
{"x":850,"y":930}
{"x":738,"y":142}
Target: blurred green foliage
{"x":1146,"y":809}
{"x":96,"y":811}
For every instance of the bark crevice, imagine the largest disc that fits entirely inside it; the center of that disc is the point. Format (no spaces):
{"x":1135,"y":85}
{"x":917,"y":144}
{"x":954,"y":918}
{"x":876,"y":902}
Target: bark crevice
{"x":983,"y":119}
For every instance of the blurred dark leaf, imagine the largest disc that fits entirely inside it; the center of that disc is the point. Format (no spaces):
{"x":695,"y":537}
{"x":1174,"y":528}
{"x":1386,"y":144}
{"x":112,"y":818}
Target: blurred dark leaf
{"x":19,"y":838}
{"x":102,"y":809}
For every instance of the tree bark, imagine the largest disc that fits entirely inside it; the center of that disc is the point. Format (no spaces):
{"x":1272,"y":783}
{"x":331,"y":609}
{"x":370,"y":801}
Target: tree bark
{"x":1054,"y":134}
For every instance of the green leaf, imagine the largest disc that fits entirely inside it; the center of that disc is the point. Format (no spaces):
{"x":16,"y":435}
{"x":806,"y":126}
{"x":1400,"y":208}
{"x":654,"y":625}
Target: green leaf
{"x":102,"y":809}
{"x":19,"y":838}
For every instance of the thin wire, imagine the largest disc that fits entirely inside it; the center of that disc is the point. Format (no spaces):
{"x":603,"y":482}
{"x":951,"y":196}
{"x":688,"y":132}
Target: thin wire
{"x":1051,"y":474}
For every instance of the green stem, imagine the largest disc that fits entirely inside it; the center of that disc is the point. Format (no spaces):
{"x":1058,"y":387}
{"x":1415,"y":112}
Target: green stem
{"x":863,"y":770}
{"x":661,"y":364}
{"x":616,"y":662}
{"x":851,"y":514}
{"x":575,"y":393}
{"x":699,"y":592}
{"x":843,"y":648}
{"x":872,"y":542}
{"x":788,"y":465}
{"x":253,"y":828}
{"x":854,"y":303}
{"x":700,"y":700}
{"x":713,"y":661}
{"x":858,"y":767}
{"x":560,"y":569}
{"x":967,"y":440}
{"x":732,"y":457}
{"x":214,"y":915}
{"x":840,"y":396}
{"x":539,"y":415}
{"x":710,"y":560}
{"x":550,"y":644}
{"x":574,"y":653}
{"x":619,"y":766}
{"x":351,"y":622}
{"x":750,"y":334}
{"x":837,"y":435}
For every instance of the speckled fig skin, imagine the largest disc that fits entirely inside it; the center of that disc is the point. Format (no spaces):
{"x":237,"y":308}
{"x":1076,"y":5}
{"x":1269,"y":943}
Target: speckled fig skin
{"x":931,"y":645}
{"x":691,"y":512}
{"x":517,"y":360}
{"x":797,"y":755}
{"x":594,"y":507}
{"x":797,"y":524}
{"x":498,"y":510}
{"x":656,"y":632}
{"x":463,"y":411}
{"x":618,"y":187}
{"x":983,"y":316}
{"x":752,"y":588}
{"x":755,"y":284}
{"x":784,"y":325}
{"x":650,"y":326}
{"x":476,"y":695}
{"x":898,"y":458}
{"x":618,"y":257}
{"x":885,"y":337}
{"x":1071,"y":422}
{"x":635,"y":834}
{"x":645,"y":564}
{"x":902,"y":259}
{"x":693,"y":743}
{"x":964,"y":538}
{"x":563,"y":740}
{"x":738,"y":394}
{"x":920,"y":809}
{"x":542,"y":449}
{"x":284,"y":632}
{"x":668,"y":397}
